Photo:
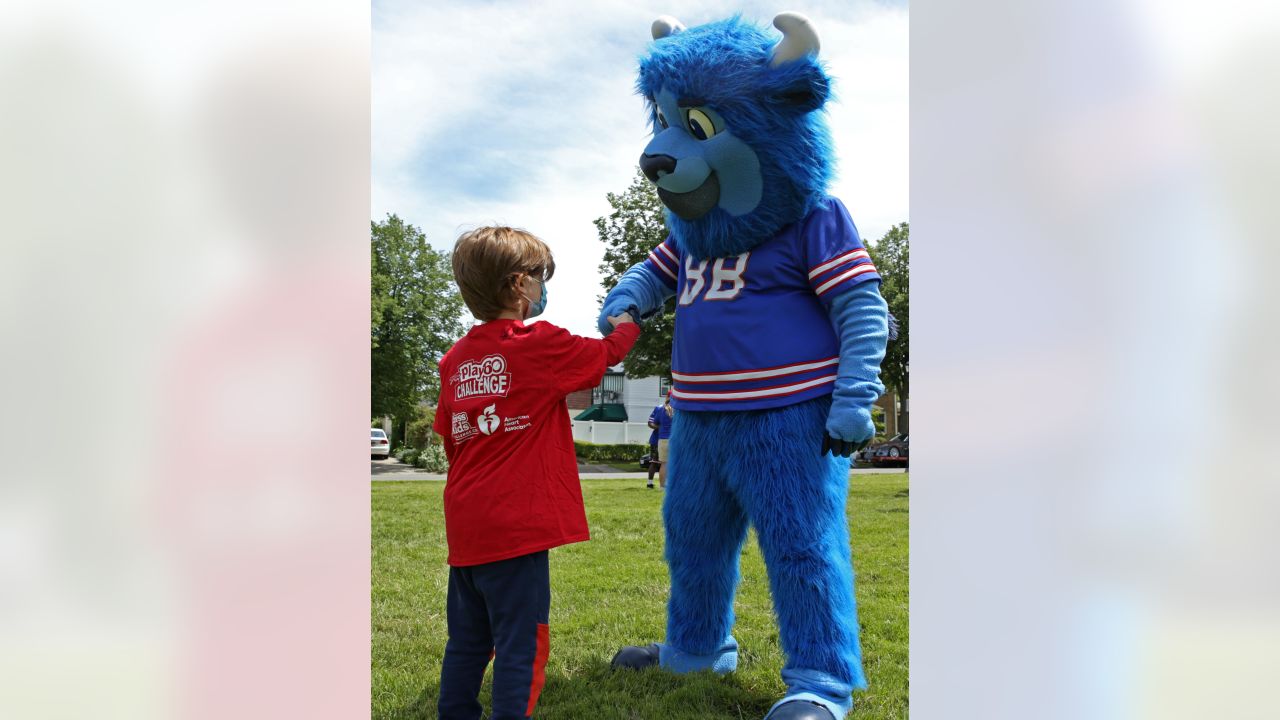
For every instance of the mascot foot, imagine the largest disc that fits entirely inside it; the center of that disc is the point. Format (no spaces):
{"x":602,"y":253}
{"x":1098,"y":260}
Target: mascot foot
{"x":800,"y":710}
{"x":723,"y":660}
{"x":636,"y":658}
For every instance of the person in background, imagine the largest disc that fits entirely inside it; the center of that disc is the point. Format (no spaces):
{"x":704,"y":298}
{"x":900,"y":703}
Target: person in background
{"x":653,"y":445}
{"x":660,"y":420}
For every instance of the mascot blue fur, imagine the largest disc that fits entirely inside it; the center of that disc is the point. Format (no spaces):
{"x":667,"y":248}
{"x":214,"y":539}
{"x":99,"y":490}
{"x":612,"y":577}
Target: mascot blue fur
{"x":779,"y":334}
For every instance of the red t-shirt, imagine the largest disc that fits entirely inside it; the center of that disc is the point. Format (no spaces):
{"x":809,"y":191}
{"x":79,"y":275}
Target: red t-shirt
{"x":513,"y":484}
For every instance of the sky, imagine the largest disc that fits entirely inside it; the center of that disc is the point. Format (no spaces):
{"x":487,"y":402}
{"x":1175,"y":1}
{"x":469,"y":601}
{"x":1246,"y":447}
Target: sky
{"x":526,"y":115}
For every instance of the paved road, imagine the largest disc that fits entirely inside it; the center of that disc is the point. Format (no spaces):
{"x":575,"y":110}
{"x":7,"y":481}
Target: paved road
{"x":396,"y":471}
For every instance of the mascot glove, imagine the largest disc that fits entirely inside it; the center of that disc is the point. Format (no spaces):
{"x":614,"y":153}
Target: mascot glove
{"x":614,"y":305}
{"x":849,"y":428}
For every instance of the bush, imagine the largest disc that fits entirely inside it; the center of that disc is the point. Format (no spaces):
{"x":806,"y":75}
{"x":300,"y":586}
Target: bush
{"x":627,"y":452}
{"x":408,"y":455}
{"x":432,"y":459}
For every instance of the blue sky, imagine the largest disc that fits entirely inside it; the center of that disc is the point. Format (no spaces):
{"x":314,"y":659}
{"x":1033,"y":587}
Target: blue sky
{"x":523,"y":114}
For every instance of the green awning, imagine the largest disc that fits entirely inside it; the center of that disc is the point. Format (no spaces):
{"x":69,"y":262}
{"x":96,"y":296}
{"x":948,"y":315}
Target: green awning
{"x":605,"y":412}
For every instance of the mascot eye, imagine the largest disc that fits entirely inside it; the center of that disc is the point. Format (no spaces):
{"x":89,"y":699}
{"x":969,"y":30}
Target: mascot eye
{"x":700,"y":126}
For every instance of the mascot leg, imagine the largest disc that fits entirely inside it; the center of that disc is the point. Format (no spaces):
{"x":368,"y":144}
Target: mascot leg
{"x":705,"y":529}
{"x":796,"y":499}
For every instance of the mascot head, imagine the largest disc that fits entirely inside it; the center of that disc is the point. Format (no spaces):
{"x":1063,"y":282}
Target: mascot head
{"x":740,"y":149}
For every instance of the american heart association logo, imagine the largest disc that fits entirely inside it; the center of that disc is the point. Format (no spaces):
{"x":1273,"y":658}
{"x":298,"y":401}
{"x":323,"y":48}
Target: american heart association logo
{"x":488,"y":420}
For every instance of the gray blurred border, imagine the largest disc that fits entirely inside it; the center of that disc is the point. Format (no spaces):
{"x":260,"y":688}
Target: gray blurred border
{"x":1094,"y":354}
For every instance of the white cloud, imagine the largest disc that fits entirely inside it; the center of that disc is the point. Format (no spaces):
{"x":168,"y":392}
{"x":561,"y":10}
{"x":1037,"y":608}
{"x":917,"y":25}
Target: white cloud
{"x":542,"y":99}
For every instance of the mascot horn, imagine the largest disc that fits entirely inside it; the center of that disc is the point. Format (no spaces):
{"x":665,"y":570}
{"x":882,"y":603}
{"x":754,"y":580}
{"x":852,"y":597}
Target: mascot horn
{"x":779,"y":334}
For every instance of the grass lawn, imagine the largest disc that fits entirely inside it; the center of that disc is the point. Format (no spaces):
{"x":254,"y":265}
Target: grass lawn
{"x":612,"y":591}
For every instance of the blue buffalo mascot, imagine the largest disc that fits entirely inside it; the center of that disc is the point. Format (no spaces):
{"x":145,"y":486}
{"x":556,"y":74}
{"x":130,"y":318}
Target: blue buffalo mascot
{"x":779,"y":334}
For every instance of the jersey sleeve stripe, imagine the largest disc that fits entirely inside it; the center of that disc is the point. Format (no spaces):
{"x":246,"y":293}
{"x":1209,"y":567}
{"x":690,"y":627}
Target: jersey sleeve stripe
{"x":757,"y":393}
{"x":661,"y":254}
{"x":666,"y":250}
{"x":837,"y":270}
{"x":848,"y":275}
{"x":847,"y":257}
{"x":738,"y":376}
{"x":653,"y":258}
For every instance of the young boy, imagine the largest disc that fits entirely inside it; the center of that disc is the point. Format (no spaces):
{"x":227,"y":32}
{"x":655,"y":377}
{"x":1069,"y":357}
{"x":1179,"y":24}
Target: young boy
{"x":512,"y":491}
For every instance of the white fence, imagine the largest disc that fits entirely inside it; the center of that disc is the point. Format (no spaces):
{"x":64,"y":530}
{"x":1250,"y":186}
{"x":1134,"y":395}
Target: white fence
{"x":611,"y":433}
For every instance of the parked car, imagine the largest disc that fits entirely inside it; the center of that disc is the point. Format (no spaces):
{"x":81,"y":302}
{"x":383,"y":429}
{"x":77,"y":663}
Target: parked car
{"x":379,"y":446}
{"x":893,"y":452}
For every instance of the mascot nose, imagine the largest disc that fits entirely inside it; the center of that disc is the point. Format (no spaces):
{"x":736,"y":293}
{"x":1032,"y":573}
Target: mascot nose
{"x":651,"y":165}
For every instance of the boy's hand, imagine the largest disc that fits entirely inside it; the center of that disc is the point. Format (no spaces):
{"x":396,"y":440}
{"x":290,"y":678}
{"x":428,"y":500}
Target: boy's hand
{"x":614,"y":305}
{"x":623,"y":318}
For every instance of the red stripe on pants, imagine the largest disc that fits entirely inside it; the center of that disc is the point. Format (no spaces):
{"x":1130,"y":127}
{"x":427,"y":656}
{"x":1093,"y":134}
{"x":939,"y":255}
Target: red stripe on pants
{"x":539,"y":666}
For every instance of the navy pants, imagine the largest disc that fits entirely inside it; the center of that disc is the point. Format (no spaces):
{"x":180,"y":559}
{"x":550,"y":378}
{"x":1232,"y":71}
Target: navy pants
{"x":496,"y":611}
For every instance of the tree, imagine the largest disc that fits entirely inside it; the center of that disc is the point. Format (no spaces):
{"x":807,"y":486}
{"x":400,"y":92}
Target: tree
{"x":635,"y":227}
{"x":416,"y":315}
{"x":417,"y":432}
{"x":892,"y":257}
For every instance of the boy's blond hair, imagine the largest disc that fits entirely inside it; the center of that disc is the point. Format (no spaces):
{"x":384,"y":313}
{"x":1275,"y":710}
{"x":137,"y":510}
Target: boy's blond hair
{"x":487,"y":261}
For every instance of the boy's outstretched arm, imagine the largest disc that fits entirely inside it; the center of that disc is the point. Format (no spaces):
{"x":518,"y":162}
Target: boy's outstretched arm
{"x":643,"y":287}
{"x":580,"y":362}
{"x":860,"y":318}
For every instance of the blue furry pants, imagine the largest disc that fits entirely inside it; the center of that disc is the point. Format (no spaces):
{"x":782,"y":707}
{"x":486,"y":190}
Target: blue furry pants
{"x":763,"y":467}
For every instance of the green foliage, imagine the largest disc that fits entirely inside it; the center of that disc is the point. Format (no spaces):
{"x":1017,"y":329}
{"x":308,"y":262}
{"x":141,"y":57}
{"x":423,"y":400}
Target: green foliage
{"x":877,"y":417}
{"x":416,"y":316}
{"x":635,"y":227}
{"x":612,"y":591}
{"x":622,"y":452}
{"x":418,"y":432}
{"x":892,"y":256}
{"x":380,"y":302}
{"x":432,"y":459}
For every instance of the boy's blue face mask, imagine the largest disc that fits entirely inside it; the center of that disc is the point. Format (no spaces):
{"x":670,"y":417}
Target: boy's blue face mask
{"x":535,"y":309}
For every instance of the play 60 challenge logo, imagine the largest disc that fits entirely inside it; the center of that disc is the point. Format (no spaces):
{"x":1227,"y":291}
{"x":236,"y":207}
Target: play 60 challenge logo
{"x":479,"y":378}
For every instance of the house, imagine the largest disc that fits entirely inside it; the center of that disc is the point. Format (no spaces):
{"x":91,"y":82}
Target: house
{"x":617,"y":410}
{"x":895,"y":413}
{"x":619,"y":399}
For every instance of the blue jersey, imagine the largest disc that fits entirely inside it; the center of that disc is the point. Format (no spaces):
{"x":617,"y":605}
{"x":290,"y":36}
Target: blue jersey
{"x":752,"y":331}
{"x":660,"y":418}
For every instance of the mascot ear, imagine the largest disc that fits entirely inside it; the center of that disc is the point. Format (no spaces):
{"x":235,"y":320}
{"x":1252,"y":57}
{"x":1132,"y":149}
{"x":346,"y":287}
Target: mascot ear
{"x":807,"y":92}
{"x":795,"y":55}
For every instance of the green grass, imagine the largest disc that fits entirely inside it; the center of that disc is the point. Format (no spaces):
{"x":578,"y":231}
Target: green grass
{"x":612,"y":591}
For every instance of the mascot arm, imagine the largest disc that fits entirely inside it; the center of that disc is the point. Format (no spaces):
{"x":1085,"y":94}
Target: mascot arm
{"x":860,"y":318}
{"x":639,"y":290}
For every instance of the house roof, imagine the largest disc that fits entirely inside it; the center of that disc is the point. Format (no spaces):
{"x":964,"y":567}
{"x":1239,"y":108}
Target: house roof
{"x":606,"y":412}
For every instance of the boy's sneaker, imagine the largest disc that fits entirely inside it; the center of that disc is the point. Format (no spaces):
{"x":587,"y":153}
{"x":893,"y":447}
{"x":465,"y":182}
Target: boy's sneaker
{"x":650,"y":486}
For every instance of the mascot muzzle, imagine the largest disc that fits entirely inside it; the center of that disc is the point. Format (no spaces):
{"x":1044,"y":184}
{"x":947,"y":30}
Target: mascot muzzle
{"x":689,"y":205}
